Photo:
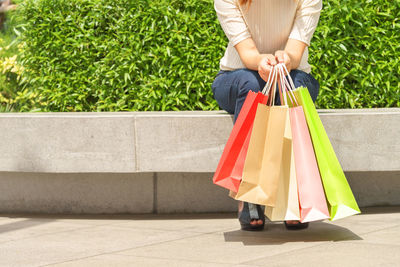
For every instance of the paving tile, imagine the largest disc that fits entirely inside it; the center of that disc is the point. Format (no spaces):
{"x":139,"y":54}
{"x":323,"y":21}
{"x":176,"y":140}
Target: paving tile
{"x":365,"y":223}
{"x":231,"y":247}
{"x":369,"y":239}
{"x":343,"y":254}
{"x":317,"y":232}
{"x":21,"y":228}
{"x":389,"y":236}
{"x":69,"y":218}
{"x":195,"y":225}
{"x":127,"y":260}
{"x":70,"y":245}
{"x":362,"y":224}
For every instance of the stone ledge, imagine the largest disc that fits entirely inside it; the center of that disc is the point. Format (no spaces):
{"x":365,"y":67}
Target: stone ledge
{"x":188,"y":141}
{"x":134,"y":193}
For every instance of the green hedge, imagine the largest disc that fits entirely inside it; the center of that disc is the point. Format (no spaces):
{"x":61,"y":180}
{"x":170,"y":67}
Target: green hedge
{"x":9,"y":69}
{"x":355,"y":54}
{"x":100,"y":55}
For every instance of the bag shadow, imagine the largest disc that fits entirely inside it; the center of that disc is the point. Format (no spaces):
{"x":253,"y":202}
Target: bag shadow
{"x":276,"y":233}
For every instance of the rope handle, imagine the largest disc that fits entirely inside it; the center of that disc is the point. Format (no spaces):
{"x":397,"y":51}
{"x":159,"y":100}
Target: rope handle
{"x":289,"y":83}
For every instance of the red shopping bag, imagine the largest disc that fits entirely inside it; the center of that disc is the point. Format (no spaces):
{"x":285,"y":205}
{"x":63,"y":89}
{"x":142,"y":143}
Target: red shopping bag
{"x":230,"y":167}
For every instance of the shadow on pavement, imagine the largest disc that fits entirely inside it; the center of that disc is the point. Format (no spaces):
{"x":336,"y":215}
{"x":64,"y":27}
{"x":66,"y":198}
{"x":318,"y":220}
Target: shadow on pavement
{"x":122,"y":216}
{"x":14,"y":226}
{"x":276,"y":233}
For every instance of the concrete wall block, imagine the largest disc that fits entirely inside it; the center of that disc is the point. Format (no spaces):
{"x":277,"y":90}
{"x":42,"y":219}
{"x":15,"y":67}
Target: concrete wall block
{"x":195,"y":192}
{"x":181,"y":143}
{"x":90,"y":193}
{"x":106,"y":193}
{"x":189,"y":141}
{"x":375,"y":188}
{"x":67,"y":143}
{"x":365,"y":141}
{"x":190,"y":193}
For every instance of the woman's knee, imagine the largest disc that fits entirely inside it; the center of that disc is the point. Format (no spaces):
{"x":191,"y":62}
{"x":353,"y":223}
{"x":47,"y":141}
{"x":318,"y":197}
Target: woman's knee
{"x":248,"y":85}
{"x":249,"y":81}
{"x":232,"y":87}
{"x":222,"y":93}
{"x":301,"y":78}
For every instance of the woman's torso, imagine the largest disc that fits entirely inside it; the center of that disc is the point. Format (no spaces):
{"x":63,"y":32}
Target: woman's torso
{"x":270,"y":23}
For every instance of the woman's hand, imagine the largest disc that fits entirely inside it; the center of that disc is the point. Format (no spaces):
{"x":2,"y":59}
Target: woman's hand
{"x":265,"y":65}
{"x":283,"y":57}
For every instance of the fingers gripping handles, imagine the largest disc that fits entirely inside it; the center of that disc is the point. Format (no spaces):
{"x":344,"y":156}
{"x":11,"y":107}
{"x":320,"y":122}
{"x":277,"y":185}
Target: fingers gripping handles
{"x":285,"y":85}
{"x":271,"y":83}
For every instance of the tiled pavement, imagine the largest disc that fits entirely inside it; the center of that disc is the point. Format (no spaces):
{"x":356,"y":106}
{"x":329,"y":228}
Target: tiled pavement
{"x":370,"y":239}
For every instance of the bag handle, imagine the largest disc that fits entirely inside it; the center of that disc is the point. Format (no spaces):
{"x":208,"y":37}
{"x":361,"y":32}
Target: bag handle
{"x":290,"y":84}
{"x":268,"y":84}
{"x":275,"y":76}
{"x":287,"y":86}
{"x":273,"y":87}
{"x":282,"y":87}
{"x":289,"y":78}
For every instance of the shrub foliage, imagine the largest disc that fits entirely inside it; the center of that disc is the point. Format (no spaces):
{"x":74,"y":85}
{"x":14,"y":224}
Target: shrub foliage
{"x":101,"y":55}
{"x":355,"y":54}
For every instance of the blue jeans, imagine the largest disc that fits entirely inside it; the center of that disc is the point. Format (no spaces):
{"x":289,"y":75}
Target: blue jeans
{"x":230,"y":88}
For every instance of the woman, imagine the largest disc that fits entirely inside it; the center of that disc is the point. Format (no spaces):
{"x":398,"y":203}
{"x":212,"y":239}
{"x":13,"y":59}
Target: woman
{"x":262,"y":33}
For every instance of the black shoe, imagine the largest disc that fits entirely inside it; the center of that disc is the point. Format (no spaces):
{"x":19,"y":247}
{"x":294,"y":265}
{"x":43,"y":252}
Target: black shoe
{"x":297,"y":226}
{"x":245,"y":217}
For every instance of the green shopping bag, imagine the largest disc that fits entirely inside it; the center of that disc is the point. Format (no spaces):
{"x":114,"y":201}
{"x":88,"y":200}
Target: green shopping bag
{"x":341,"y":201}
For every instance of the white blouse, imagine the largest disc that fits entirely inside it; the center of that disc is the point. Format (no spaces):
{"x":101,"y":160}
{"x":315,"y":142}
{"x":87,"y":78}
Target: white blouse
{"x":270,"y":23}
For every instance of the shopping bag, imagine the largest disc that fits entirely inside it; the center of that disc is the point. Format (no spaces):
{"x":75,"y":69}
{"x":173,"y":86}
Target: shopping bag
{"x":341,"y":202}
{"x":313,"y":206}
{"x":287,"y":202}
{"x":264,"y":156}
{"x":230,"y":167}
